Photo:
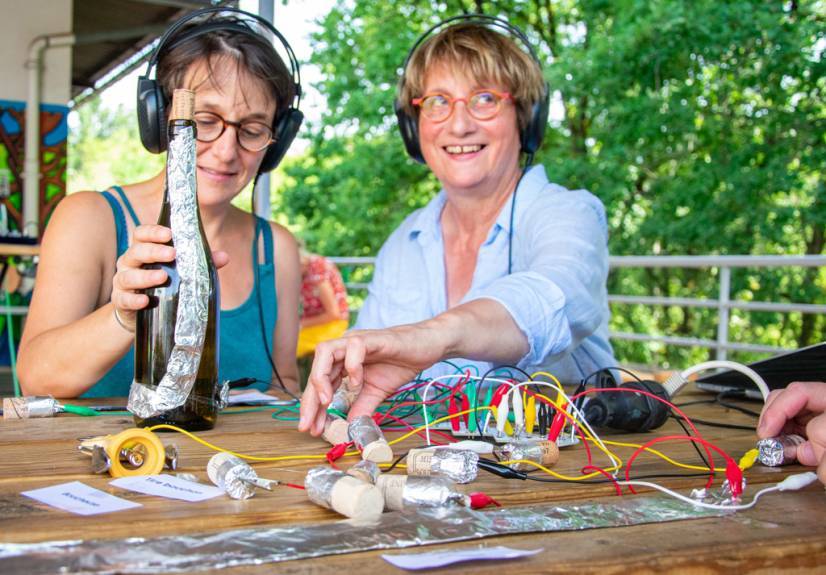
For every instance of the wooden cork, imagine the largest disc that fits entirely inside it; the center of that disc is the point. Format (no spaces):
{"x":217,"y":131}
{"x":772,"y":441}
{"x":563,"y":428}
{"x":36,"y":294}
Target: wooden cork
{"x":420,"y":462}
{"x":550,"y":452}
{"x":183,"y":105}
{"x":377,"y":452}
{"x":356,"y":499}
{"x":335,"y":431}
{"x":392,"y":489}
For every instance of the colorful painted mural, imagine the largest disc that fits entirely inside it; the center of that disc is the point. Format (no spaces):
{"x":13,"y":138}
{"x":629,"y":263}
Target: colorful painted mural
{"x":53,"y":136}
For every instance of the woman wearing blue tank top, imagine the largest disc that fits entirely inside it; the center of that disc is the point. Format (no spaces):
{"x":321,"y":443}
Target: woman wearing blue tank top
{"x":79,"y":334}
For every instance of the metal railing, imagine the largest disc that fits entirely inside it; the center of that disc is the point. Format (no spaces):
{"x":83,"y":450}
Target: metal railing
{"x":724,"y":304}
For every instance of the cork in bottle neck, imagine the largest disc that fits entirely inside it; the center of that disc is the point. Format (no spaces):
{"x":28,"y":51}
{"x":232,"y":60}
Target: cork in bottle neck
{"x":183,"y":105}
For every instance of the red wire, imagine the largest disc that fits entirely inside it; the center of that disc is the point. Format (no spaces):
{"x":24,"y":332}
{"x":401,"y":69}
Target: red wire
{"x":613,"y":479}
{"x":293,"y":485}
{"x":735,"y":478}
{"x":669,"y":404}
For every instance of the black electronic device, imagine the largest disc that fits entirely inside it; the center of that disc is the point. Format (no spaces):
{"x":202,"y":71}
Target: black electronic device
{"x":530,"y":138}
{"x":152,"y":101}
{"x":628,"y":411}
{"x":805,"y":364}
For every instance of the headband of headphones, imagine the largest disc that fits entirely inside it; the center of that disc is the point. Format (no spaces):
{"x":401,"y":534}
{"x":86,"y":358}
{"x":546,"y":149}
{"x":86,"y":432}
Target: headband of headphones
{"x":152,"y":101}
{"x":530,"y":137}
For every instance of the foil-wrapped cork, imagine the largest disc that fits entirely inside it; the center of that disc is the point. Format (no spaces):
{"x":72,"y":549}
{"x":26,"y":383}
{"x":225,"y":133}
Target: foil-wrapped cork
{"x":29,"y":407}
{"x":405,"y":492}
{"x":335,"y":430}
{"x":543,"y":452}
{"x":193,"y":293}
{"x":365,"y":470}
{"x":369,"y":440}
{"x":344,"y":494}
{"x":460,"y":466}
{"x":235,"y":476}
{"x":343,"y":397}
{"x":780,"y":450}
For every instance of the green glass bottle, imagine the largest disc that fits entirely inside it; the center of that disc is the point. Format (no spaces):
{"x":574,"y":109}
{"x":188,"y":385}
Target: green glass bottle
{"x":156,"y":325}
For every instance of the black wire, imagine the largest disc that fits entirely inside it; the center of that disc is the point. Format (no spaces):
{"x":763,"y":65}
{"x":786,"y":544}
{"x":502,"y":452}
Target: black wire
{"x":693,"y":443}
{"x":267,"y":351}
{"x":721,"y":396}
{"x":717,"y":424}
{"x":396,"y":462}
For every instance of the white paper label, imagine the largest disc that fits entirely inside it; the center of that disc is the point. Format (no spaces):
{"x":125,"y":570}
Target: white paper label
{"x":79,"y":498}
{"x":168,"y":486}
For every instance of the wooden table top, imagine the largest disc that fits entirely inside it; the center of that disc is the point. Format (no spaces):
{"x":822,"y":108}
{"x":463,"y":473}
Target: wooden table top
{"x":784,"y":532}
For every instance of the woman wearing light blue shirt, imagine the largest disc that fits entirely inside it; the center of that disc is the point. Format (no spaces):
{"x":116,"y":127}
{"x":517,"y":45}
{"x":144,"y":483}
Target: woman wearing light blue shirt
{"x":502,"y":266}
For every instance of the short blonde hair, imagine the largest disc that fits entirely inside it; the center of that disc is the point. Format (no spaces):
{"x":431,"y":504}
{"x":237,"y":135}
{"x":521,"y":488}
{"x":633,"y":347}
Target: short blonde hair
{"x":486,"y":55}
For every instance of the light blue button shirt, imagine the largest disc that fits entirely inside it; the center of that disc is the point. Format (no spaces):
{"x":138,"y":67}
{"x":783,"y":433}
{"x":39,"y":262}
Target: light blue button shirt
{"x":556,"y":292}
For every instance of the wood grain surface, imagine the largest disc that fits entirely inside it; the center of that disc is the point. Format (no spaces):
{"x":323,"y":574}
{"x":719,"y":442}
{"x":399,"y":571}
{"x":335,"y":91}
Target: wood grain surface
{"x":785,"y":532}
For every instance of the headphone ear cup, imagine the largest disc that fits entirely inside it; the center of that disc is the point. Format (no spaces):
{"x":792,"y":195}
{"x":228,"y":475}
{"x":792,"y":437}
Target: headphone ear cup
{"x":531,"y":139}
{"x":285,"y":131}
{"x":409,"y":129}
{"x":151,"y":115}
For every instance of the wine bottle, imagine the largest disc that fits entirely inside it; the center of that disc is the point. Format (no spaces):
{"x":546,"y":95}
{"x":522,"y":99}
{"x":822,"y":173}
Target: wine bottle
{"x":171,"y":350}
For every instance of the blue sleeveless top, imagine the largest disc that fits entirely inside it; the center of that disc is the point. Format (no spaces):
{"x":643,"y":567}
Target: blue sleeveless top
{"x":245,"y":333}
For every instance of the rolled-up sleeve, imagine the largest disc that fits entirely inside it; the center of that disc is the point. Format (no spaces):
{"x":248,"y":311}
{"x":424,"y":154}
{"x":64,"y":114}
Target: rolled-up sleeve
{"x":555,"y":294}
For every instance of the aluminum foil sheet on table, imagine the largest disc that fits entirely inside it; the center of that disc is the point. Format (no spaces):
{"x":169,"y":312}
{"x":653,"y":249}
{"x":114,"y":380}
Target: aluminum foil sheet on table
{"x":259,"y":545}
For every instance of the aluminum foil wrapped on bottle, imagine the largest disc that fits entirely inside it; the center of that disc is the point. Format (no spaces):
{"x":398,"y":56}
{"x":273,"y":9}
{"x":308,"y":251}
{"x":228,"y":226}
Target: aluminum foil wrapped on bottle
{"x":405,"y":492}
{"x":369,"y":440}
{"x":236,"y":477}
{"x":780,"y":450}
{"x":193,"y":303}
{"x":460,"y":466}
{"x":28,"y":407}
{"x":543,"y":452}
{"x":344,"y":494}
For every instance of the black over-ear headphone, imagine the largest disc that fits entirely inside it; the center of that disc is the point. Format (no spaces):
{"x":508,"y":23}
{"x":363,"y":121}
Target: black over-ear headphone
{"x":152,"y":102}
{"x":530,"y":138}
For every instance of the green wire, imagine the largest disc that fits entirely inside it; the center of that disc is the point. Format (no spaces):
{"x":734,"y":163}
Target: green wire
{"x":12,"y":352}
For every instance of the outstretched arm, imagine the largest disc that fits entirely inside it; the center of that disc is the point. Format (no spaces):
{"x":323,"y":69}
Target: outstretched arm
{"x":378,"y":362}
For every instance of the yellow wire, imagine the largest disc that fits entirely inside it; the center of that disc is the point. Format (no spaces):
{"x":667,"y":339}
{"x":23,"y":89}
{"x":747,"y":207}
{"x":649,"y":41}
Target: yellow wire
{"x":560,"y":475}
{"x":554,"y":381}
{"x":242,"y":455}
{"x":658,"y":454}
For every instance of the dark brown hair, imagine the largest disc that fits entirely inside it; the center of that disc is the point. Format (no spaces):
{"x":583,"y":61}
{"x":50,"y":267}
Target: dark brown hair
{"x":253,"y":53}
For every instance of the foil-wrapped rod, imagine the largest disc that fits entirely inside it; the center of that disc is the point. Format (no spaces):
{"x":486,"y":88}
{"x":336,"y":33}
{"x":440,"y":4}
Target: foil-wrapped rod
{"x":29,"y":407}
{"x":369,"y":439}
{"x":236,"y":477}
{"x":780,"y":450}
{"x":460,"y":466}
{"x":543,"y":452}
{"x":404,"y":492}
{"x":344,"y":493}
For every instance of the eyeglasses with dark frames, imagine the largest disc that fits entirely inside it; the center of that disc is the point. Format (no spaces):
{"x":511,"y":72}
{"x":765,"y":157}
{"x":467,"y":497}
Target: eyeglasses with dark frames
{"x":251,"y":135}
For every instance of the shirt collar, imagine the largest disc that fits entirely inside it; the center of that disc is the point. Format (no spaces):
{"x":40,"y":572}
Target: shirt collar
{"x":426,"y":224}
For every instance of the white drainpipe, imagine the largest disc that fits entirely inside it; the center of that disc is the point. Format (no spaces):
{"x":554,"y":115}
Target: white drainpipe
{"x":31,"y":164}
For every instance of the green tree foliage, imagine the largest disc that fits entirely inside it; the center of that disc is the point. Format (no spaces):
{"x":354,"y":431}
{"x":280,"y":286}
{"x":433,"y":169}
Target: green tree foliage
{"x":105,"y":149}
{"x":700,"y":125}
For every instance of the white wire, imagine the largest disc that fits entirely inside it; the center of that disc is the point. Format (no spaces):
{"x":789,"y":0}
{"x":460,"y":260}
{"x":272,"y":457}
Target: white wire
{"x":733,"y":365}
{"x":682,"y":497}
